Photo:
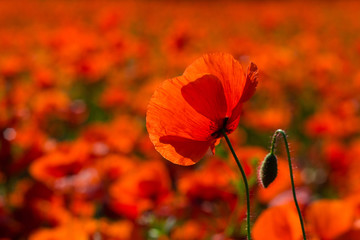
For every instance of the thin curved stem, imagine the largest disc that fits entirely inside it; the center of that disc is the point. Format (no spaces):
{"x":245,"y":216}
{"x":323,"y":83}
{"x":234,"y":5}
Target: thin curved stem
{"x":245,"y":182}
{"x":282,"y":132}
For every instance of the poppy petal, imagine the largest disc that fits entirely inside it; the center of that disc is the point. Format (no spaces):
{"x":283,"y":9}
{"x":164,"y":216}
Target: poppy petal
{"x":330,"y":219}
{"x":227,"y":70}
{"x":251,"y":82}
{"x":178,"y":132}
{"x":234,"y":120}
{"x":182,"y":151}
{"x":169,"y":114}
{"x":211,"y":103}
{"x":277,"y":223}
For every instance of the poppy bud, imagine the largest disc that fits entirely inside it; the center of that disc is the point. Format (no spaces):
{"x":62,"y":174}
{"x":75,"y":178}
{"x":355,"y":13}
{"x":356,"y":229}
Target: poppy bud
{"x":268,"y":170}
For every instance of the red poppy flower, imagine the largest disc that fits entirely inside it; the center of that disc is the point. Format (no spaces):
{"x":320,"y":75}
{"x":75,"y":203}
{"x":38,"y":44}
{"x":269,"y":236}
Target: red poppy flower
{"x":277,"y":223}
{"x":329,"y":219}
{"x":186,"y":114}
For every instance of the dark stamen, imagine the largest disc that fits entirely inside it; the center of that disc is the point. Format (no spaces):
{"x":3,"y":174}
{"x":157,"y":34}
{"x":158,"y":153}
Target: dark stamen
{"x":218,"y":133}
{"x":225,"y":122}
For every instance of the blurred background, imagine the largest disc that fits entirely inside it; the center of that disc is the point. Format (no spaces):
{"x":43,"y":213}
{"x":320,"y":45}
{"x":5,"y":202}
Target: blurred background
{"x":75,"y":158}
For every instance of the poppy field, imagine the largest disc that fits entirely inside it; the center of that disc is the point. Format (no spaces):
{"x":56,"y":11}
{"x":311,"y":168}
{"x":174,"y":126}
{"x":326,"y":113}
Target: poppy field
{"x":131,"y":120}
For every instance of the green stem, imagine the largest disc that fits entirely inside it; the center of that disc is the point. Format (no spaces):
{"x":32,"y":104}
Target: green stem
{"x":282,"y":132}
{"x":245,"y":182}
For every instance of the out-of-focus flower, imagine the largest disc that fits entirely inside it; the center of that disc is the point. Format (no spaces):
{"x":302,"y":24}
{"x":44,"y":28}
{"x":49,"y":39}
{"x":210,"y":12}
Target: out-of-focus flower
{"x":327,"y":124}
{"x":268,"y":119}
{"x":113,"y":96}
{"x":11,"y":66}
{"x":277,"y":223}
{"x":118,"y":230}
{"x":213,"y":181}
{"x":120,"y":135}
{"x":140,"y":190}
{"x":52,"y":101}
{"x":123,"y":133}
{"x":60,"y":163}
{"x":113,"y":166}
{"x":189,"y":230}
{"x":329,"y":219}
{"x":72,"y":230}
{"x":44,"y":78}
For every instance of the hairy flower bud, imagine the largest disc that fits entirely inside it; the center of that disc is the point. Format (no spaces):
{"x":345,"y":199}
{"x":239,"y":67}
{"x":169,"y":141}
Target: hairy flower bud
{"x":268,"y":170}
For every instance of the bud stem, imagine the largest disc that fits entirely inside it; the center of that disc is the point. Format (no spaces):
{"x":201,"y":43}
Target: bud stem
{"x":245,"y":182}
{"x":282,"y":132}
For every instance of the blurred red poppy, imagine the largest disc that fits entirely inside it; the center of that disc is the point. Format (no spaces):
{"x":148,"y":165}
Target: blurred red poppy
{"x":329,"y":219}
{"x":189,"y":230}
{"x":65,"y":161}
{"x":138,"y":191}
{"x":280,"y":222}
{"x":209,"y":183}
{"x":186,"y":114}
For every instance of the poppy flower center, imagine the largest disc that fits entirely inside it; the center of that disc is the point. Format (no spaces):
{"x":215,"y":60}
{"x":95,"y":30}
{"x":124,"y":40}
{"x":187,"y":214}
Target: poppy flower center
{"x":218,"y":133}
